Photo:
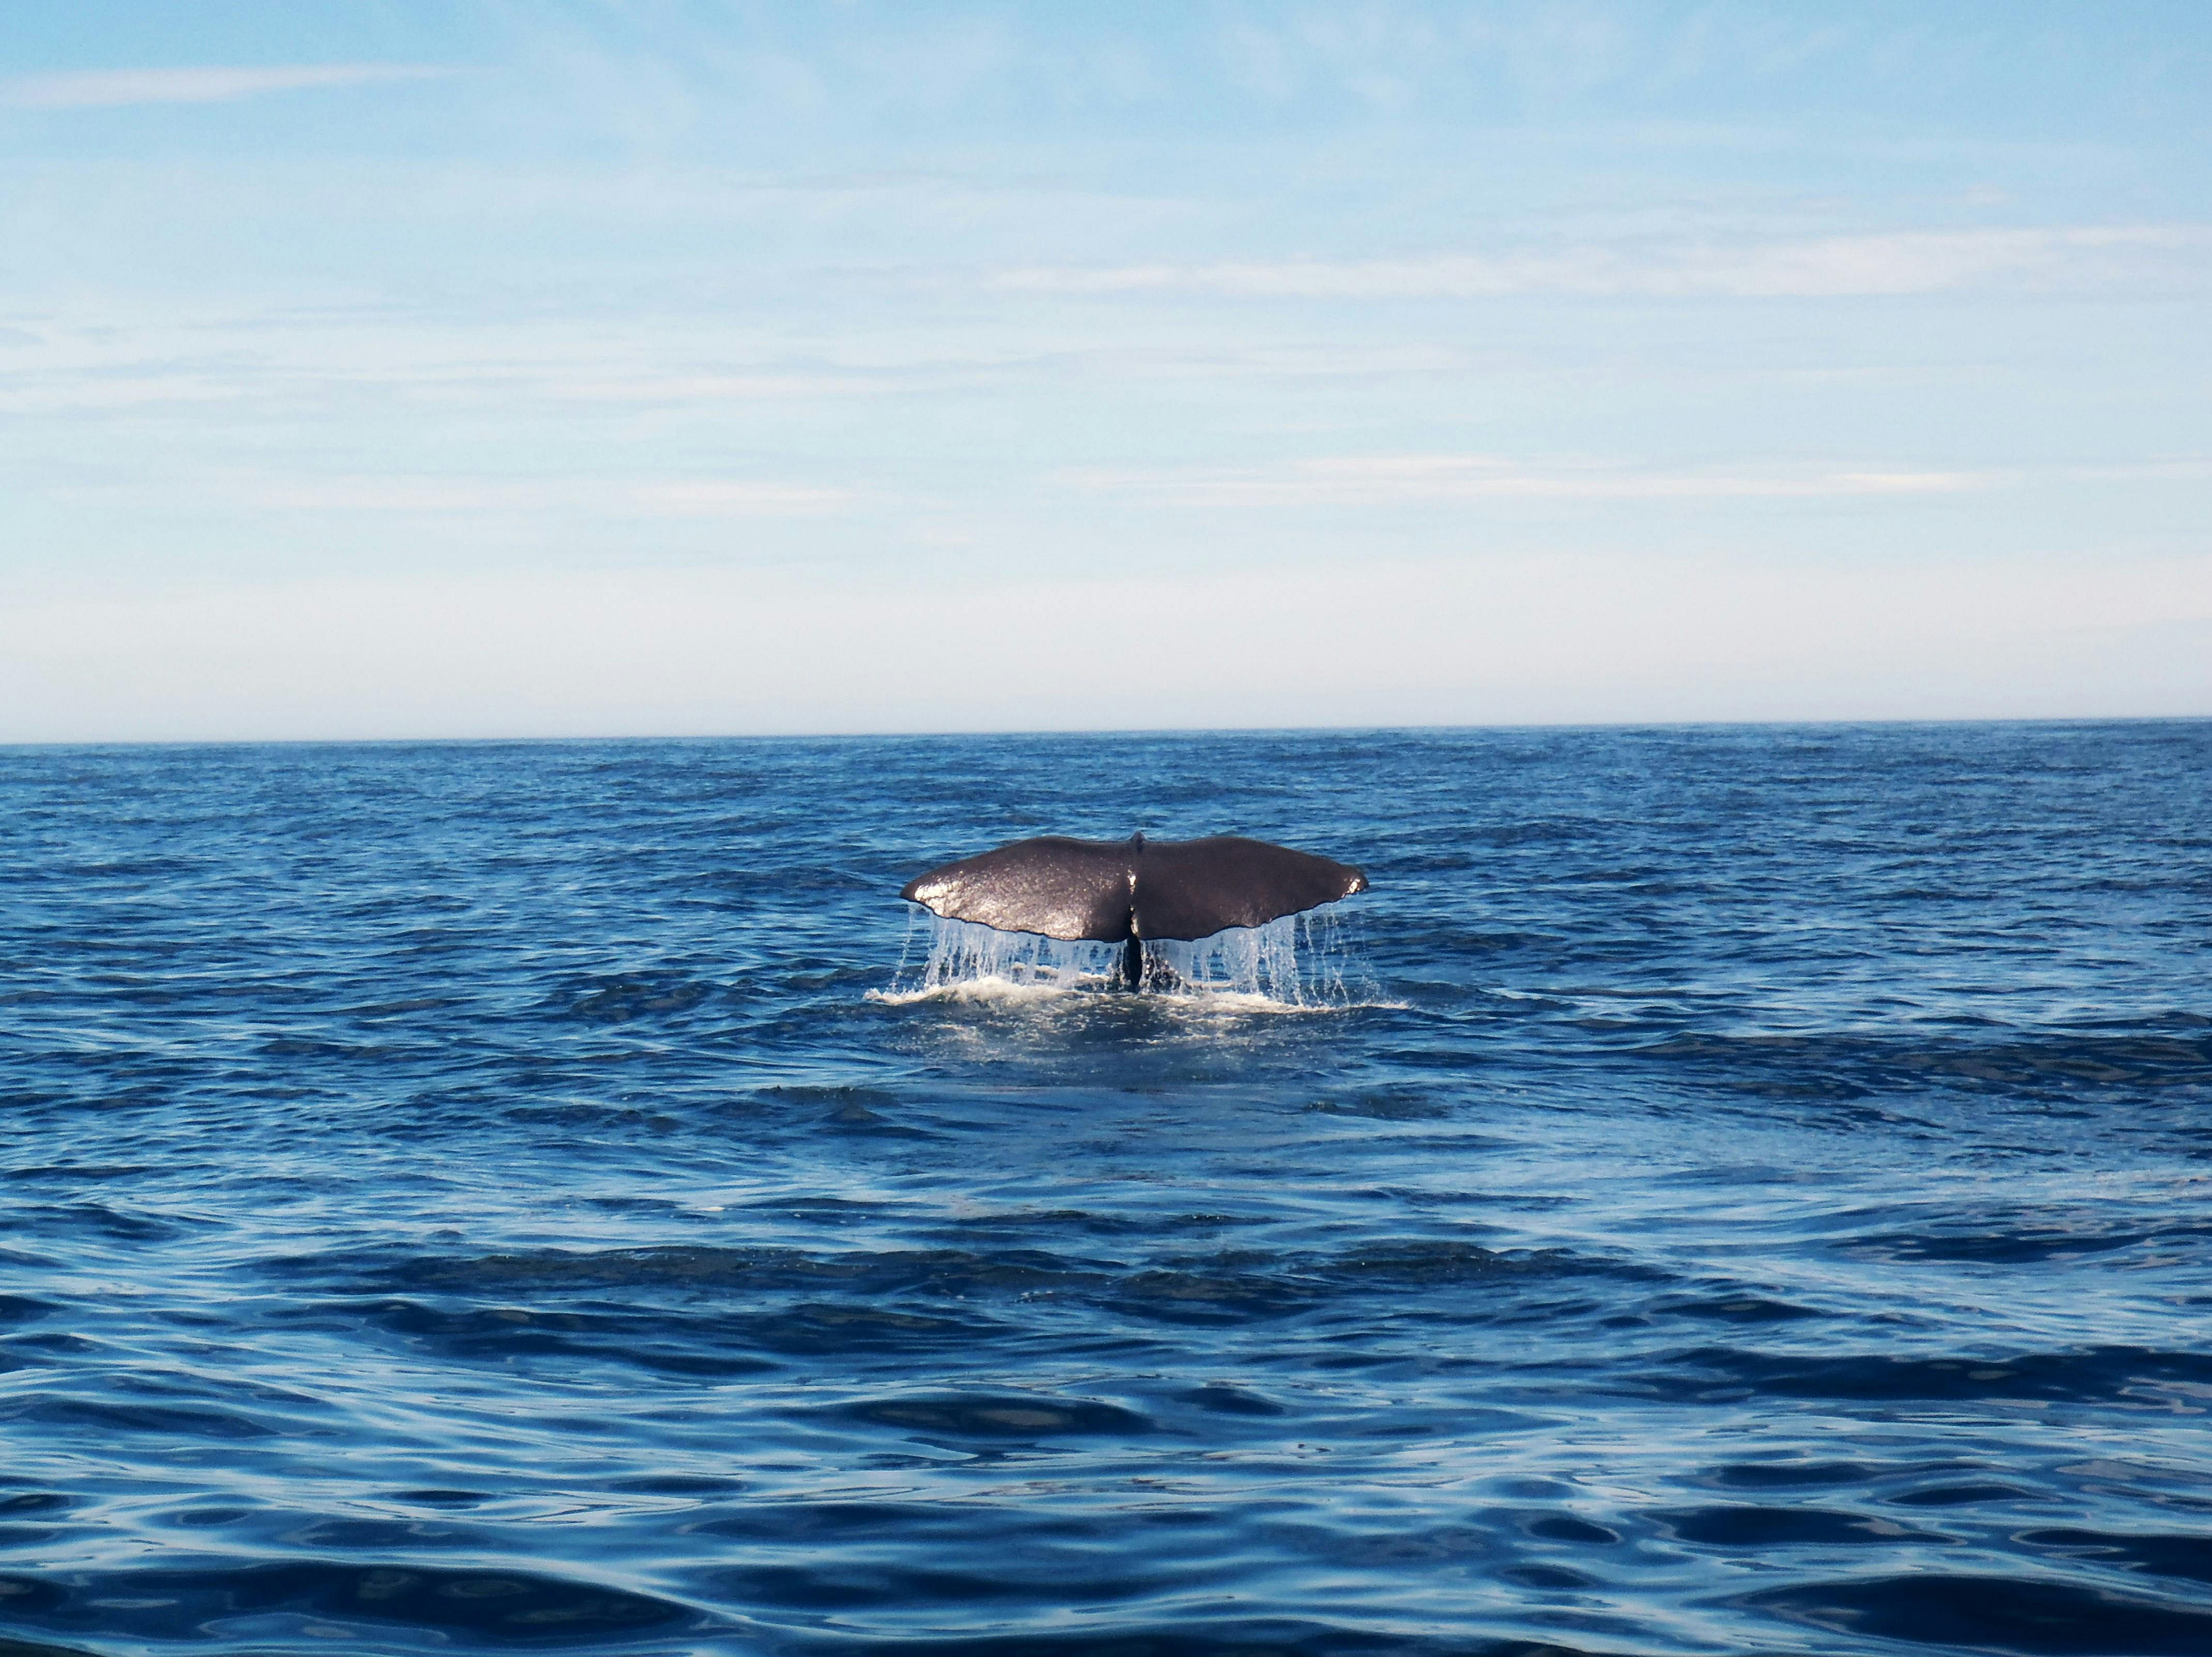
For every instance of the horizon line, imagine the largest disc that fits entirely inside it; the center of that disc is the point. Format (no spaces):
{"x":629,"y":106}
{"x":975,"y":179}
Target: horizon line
{"x":546,"y":739}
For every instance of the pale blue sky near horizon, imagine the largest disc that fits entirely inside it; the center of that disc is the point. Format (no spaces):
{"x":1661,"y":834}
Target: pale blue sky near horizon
{"x":507,"y":369}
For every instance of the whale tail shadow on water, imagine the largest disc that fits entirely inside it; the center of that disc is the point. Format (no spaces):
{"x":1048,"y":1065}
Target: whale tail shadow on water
{"x":1128,"y":891}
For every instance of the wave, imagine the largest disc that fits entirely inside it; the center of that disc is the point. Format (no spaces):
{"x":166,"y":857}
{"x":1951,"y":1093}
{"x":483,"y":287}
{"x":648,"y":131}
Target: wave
{"x":995,"y":991}
{"x":2025,"y":1615}
{"x":990,"y":989}
{"x":327,"y":1598}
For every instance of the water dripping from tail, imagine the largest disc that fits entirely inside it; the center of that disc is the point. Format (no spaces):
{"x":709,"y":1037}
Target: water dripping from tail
{"x":1304,"y":961}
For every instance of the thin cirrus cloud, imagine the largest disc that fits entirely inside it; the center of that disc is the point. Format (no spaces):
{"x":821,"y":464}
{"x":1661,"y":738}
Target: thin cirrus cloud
{"x":1413,"y":479}
{"x":114,"y":88}
{"x":1886,"y":263}
{"x":683,"y":497}
{"x":710,"y":388}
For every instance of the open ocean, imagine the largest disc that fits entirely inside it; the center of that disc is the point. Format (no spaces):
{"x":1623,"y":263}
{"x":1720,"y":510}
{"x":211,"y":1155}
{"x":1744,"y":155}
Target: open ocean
{"x":1723,"y":1190}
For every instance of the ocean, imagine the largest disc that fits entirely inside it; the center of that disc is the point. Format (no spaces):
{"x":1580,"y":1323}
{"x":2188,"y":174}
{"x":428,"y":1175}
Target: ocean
{"x":1723,"y":1189}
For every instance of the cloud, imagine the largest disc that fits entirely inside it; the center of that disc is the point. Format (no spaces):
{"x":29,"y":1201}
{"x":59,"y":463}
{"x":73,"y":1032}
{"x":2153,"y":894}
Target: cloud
{"x":1888,"y":262}
{"x":688,"y":497}
{"x":1413,"y":479}
{"x":711,"y":499}
{"x":712,"y":387}
{"x":1344,"y":480}
{"x":55,"y":393}
{"x":110,"y":88}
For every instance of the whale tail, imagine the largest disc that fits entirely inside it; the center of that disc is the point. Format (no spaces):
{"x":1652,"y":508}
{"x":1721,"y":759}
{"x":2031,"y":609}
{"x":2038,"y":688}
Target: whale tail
{"x":1128,"y":891}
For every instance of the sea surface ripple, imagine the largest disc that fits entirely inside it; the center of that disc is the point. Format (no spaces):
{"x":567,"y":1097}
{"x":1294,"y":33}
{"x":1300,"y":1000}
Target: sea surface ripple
{"x":464,"y":1197}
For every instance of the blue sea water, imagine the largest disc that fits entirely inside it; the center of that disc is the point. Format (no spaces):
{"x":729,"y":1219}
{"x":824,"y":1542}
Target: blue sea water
{"x":1726,"y":1190}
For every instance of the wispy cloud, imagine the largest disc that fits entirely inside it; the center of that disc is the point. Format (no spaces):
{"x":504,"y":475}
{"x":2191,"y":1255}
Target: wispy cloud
{"x":1889,"y":263}
{"x":711,"y":499}
{"x":89,"y":392}
{"x":1411,"y":479}
{"x":108,"y":89}
{"x":712,"y":387}
{"x":686,"y":497}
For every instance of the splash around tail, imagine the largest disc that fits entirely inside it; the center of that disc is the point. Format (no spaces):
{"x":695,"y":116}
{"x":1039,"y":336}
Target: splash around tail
{"x":1299,"y":963}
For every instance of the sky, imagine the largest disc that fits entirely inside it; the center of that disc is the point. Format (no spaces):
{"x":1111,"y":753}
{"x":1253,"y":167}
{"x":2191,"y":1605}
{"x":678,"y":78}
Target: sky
{"x":539,"y":368}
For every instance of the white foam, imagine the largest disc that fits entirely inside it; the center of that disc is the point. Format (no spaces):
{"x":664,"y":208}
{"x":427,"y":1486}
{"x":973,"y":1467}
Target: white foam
{"x":989,"y":989}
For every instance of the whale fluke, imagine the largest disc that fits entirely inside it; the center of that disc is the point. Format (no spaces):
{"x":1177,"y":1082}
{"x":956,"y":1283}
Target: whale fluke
{"x":1127,"y":891}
